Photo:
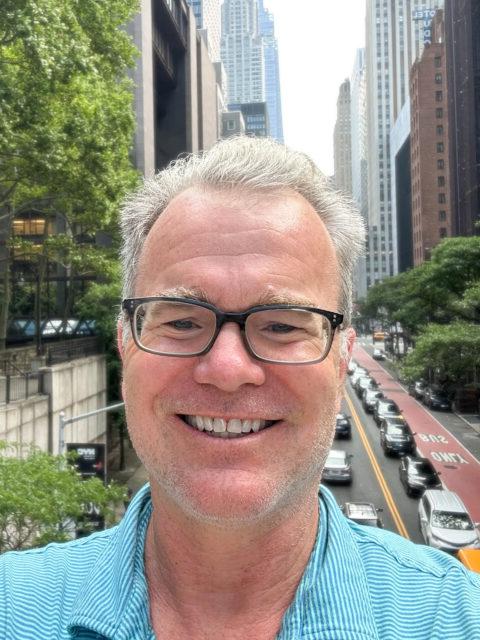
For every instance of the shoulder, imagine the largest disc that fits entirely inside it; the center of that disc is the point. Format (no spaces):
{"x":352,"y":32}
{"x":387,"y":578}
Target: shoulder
{"x":415,"y":584}
{"x":41,"y":585}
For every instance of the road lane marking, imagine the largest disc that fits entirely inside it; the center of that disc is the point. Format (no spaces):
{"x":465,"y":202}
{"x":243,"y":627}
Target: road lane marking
{"x":377,"y":471}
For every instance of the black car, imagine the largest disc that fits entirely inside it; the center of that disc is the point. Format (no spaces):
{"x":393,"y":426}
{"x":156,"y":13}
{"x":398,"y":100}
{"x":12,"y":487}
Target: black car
{"x":396,"y":437}
{"x":343,"y":426}
{"x":436,"y":399}
{"x":369,"y":398}
{"x":385,"y":408}
{"x":417,"y":475}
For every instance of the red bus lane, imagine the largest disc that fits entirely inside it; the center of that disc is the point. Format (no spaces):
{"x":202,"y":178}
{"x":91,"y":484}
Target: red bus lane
{"x":460,"y":470}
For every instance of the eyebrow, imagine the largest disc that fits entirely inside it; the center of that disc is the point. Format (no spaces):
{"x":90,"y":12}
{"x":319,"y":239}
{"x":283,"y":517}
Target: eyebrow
{"x":269,"y":297}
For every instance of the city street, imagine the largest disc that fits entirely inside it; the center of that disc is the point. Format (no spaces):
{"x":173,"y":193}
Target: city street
{"x":445,"y":438}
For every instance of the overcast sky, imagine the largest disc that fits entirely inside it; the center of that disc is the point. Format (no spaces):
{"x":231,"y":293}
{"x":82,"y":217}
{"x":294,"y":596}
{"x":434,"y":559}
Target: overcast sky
{"x":317,"y":41}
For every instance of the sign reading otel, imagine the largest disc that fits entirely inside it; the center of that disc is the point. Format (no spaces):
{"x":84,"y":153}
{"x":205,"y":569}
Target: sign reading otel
{"x":425,"y":15}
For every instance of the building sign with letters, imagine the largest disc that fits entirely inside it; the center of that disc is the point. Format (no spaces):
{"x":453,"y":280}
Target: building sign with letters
{"x":425,"y":16}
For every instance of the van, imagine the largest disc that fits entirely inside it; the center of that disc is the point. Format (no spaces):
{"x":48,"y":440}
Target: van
{"x":445,"y":522}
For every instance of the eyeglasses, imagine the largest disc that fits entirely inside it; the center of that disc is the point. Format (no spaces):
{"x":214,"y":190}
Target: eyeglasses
{"x":277,"y":333}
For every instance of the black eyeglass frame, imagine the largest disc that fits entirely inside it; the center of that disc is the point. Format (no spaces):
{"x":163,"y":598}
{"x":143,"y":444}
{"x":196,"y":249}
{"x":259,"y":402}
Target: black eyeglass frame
{"x":129,"y":305}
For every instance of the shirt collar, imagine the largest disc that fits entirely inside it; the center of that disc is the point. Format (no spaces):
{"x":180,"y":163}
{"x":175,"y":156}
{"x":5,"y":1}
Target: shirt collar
{"x":332,"y":601}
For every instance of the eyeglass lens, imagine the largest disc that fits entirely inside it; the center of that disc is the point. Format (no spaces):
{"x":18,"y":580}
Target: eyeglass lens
{"x":284,"y":335}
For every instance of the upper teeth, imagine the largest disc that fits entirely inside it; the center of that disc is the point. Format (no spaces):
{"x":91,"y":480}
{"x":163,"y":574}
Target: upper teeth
{"x":221,"y":426}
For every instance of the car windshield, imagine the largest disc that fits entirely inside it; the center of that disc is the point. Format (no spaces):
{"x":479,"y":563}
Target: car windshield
{"x":335,"y":460}
{"x":448,"y":520}
{"x":396,"y":430}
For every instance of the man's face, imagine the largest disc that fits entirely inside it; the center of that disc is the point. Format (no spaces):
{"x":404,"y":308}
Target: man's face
{"x":240,"y":251}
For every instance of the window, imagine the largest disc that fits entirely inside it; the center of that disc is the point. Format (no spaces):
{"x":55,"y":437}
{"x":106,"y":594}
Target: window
{"x":438,"y":61}
{"x":438,"y":96}
{"x":441,"y":198}
{"x":443,"y":232}
{"x":441,"y":181}
{"x":439,"y":112}
{"x":438,"y":78}
{"x":440,"y":147}
{"x":230,"y":125}
{"x":441,"y":164}
{"x":439,"y":130}
{"x":442,"y":215}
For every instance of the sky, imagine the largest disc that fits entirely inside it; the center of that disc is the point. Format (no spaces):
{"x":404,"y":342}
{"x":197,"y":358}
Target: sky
{"x":317,"y":41}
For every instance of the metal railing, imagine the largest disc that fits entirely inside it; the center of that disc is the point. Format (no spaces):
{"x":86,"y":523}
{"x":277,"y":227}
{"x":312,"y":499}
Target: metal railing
{"x":16,"y":384}
{"x":72,"y":349}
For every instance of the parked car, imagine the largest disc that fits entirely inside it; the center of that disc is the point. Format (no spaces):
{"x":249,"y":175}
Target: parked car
{"x":337,"y":467}
{"x":358,"y":373}
{"x":364,"y":382}
{"x":385,"y":408}
{"x":445,"y":522}
{"x":378,"y":354}
{"x":436,"y":399}
{"x":417,"y":475}
{"x":417,"y":389}
{"x":396,"y":437}
{"x":343,"y":426}
{"x":370,"y":397}
{"x":363,"y":513}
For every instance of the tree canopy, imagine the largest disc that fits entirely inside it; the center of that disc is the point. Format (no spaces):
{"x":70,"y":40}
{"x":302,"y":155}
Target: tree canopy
{"x":66,"y":126}
{"x":42,"y":497}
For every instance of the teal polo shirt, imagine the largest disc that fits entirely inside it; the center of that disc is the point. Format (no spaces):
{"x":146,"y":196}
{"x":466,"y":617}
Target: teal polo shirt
{"x":360,"y":583}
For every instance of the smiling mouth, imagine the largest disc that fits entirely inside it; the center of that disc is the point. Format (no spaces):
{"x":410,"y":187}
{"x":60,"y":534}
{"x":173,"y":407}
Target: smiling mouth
{"x":221,"y":428}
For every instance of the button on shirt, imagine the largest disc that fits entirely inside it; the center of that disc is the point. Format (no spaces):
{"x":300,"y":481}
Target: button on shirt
{"x":360,"y":583}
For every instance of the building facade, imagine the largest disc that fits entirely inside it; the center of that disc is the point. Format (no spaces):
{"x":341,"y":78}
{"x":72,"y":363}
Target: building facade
{"x":242,"y":52}
{"x":359,"y":154}
{"x":342,"y":141}
{"x":208,"y":17}
{"x":431,"y":194}
{"x":397,"y":31}
{"x":175,"y":81}
{"x":272,"y":72}
{"x":255,"y":118}
{"x":462,"y":41}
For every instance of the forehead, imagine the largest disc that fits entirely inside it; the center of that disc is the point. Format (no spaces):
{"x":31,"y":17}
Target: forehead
{"x":275,"y":240}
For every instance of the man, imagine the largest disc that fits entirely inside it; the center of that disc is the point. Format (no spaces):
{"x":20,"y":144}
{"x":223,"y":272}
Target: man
{"x":234,"y":338}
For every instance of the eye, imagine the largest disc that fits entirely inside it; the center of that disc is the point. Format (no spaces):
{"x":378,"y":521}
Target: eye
{"x":183,"y":324}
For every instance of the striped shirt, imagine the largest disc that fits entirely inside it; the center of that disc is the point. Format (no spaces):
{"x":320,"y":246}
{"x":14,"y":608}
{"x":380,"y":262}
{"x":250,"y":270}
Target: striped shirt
{"x":360,"y":583}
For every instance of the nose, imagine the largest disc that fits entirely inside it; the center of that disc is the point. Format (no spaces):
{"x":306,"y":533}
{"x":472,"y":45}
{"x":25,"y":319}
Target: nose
{"x":228,"y":365}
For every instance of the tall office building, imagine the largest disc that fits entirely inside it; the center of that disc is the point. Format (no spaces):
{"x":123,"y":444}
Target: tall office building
{"x":431,"y":200}
{"x":208,"y":17}
{"x":272,"y":72}
{"x":397,"y":31}
{"x":462,"y":41}
{"x":358,"y":117}
{"x":242,"y":52}
{"x":342,"y":142}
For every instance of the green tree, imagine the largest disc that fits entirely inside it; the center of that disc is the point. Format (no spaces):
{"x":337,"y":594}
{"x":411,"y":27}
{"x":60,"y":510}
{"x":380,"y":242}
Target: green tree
{"x":42,"y":495}
{"x":448,"y":352}
{"x":66,"y":126}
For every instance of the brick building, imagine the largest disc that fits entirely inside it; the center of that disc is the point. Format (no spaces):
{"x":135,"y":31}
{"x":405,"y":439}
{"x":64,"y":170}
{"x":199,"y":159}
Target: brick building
{"x":431,"y":192}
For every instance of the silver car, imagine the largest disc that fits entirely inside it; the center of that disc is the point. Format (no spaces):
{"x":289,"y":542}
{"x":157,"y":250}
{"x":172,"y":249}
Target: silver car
{"x":445,"y":522}
{"x":337,"y":467}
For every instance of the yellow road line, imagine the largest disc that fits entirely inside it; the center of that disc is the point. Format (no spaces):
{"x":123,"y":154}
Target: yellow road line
{"x":378,"y":473}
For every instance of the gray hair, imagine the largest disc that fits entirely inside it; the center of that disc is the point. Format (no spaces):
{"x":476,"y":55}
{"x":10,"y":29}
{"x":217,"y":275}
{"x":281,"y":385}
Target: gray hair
{"x":257,"y":165}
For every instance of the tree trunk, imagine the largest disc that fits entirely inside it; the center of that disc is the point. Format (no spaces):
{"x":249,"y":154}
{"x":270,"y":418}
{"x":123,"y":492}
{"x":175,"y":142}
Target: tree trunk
{"x":6,"y":218}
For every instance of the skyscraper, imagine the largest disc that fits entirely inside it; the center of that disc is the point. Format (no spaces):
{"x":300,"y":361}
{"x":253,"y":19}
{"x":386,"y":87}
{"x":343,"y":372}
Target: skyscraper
{"x":462,"y":41}
{"x":242,"y":52}
{"x":272,"y":74}
{"x":342,"y":141}
{"x":397,"y":31}
{"x":208,"y":17}
{"x":358,"y":111}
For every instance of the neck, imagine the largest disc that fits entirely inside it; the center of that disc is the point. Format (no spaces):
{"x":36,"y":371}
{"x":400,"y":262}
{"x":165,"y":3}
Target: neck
{"x":245,"y":573}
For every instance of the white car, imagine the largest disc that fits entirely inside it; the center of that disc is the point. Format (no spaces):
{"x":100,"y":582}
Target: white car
{"x":337,"y":467}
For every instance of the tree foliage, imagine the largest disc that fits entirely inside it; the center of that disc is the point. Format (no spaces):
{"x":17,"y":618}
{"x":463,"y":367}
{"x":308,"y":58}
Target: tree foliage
{"x":41,"y":496}
{"x":66,"y":125}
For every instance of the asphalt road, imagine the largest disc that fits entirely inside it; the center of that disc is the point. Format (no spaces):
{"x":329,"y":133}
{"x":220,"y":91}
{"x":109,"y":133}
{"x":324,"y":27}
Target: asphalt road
{"x":452,"y":446}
